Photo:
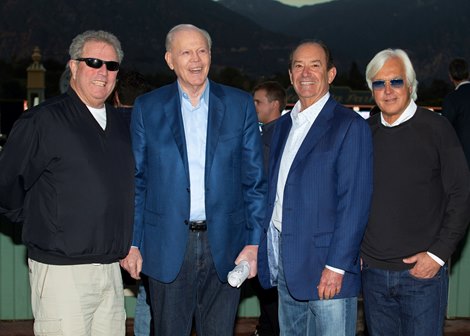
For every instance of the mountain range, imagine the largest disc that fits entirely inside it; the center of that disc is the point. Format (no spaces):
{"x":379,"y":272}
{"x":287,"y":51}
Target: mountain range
{"x":141,"y":26}
{"x":254,"y":36}
{"x":431,"y":31}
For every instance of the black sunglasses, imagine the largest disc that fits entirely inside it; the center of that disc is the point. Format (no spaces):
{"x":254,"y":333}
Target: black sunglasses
{"x":96,"y":63}
{"x":394,"y":83}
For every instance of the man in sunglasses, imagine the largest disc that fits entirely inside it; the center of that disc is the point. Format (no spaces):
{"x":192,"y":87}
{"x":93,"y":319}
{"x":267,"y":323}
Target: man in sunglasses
{"x":200,"y":191}
{"x":67,"y":173}
{"x":420,"y":205}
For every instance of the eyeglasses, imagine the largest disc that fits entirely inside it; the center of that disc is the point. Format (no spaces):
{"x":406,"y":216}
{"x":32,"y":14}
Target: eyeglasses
{"x":96,"y":63}
{"x":394,"y":83}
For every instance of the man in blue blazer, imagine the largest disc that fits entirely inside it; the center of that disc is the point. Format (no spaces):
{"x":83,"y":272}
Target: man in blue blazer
{"x":319,"y":191}
{"x":200,"y":191}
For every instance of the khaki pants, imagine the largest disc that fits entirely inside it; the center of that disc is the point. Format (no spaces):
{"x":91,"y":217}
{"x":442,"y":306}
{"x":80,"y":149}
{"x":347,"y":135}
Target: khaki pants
{"x":77,"y":300}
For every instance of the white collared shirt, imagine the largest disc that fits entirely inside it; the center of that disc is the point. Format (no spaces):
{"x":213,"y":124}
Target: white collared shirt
{"x":195,"y":132}
{"x":462,"y":83}
{"x":301,"y":123}
{"x":406,"y":115}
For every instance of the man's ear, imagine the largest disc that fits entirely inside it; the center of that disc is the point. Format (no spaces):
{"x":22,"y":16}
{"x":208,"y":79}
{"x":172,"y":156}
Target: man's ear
{"x":73,"y":65}
{"x":331,"y":75}
{"x":168,"y":60}
{"x":117,"y":101}
{"x":277,"y":105}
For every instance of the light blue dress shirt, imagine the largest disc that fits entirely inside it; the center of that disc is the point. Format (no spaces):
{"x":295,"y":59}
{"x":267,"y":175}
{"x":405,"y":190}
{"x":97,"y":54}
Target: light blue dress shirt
{"x":195,"y":132}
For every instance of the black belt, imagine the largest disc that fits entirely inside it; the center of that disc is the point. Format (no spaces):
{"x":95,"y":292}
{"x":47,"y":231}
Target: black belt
{"x":198,"y":225}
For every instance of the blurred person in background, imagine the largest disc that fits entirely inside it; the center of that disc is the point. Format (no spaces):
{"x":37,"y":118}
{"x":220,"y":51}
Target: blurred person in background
{"x":270,"y":101}
{"x":129,"y":86}
{"x":456,"y":106}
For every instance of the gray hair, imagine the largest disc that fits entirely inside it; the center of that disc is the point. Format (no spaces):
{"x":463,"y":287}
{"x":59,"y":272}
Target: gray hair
{"x":379,"y":60}
{"x":181,"y":27}
{"x":76,"y":47}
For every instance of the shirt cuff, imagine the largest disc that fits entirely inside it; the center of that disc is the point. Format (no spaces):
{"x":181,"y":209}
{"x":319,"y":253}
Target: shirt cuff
{"x":436,"y":258}
{"x":334,"y":269}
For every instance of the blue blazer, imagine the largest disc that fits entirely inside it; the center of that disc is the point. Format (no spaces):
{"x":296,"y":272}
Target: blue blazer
{"x":326,"y":202}
{"x":234,"y":180}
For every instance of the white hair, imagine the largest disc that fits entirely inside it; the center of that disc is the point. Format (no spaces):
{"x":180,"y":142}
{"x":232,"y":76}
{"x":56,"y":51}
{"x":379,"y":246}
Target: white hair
{"x":378,"y":62}
{"x":181,"y":27}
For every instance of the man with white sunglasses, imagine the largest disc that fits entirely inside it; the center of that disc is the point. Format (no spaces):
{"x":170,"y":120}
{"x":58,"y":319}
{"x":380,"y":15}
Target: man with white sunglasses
{"x":420,"y":205}
{"x":67,"y":173}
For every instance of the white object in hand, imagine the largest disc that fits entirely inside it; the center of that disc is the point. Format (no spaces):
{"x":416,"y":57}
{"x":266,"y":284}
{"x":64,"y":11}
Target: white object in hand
{"x":239,"y":274}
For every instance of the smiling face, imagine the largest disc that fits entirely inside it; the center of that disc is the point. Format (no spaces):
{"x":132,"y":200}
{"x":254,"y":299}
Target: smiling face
{"x":190,"y":58}
{"x":392,"y":101}
{"x":309,"y":73}
{"x":94,"y":86}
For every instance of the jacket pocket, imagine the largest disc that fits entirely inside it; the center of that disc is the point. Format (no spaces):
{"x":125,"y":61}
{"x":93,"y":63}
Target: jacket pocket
{"x":151,"y":218}
{"x":322,"y":239}
{"x":239,"y":217}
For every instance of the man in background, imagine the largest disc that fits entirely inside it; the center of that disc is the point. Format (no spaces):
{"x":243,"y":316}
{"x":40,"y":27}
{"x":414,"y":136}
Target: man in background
{"x":456,"y":106}
{"x":67,"y":175}
{"x":270,"y":101}
{"x":129,"y":86}
{"x":420,"y":205}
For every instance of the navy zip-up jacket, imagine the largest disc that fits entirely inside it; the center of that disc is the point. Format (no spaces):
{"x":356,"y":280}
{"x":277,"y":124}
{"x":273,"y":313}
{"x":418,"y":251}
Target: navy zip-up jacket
{"x":69,"y":182}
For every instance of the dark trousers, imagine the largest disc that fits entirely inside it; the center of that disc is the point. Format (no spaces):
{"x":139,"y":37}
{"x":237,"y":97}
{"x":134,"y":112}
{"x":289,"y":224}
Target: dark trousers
{"x":268,"y":323}
{"x":398,"y":304}
{"x":196,"y":293}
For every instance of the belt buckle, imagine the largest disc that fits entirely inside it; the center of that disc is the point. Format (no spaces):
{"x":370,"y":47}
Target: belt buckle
{"x":198,"y":225}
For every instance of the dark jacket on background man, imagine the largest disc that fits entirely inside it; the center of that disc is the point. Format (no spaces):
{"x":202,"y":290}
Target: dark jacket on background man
{"x":456,"y":108}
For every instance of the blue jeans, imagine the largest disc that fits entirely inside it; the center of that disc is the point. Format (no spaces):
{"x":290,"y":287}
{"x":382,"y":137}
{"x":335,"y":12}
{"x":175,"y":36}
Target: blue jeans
{"x":398,"y":304}
{"x":196,"y":293}
{"x":335,"y":317}
{"x":143,"y":317}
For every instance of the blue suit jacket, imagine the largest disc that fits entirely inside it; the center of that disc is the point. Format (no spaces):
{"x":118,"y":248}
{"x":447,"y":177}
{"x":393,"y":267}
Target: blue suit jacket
{"x":234,"y":181}
{"x":326,"y":201}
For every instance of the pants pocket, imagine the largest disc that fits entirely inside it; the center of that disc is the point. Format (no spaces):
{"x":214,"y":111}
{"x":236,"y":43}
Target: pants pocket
{"x":38,"y":276}
{"x":48,"y":327}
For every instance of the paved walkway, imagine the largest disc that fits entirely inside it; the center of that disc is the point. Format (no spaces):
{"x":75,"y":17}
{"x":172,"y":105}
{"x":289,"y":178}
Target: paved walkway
{"x":244,"y":327}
